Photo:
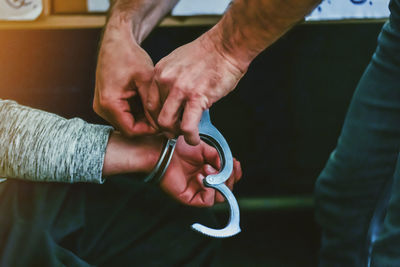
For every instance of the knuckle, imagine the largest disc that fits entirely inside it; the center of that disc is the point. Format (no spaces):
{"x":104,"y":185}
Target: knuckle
{"x":96,"y":107}
{"x":191,"y":139}
{"x":146,"y":76}
{"x":158,"y":71}
{"x":151,"y":106}
{"x":188,"y":129}
{"x":200,"y":100}
{"x":159,"y":65}
{"x":165,"y":79}
{"x":99,"y":107}
{"x":180,"y":90}
{"x":165,"y":123}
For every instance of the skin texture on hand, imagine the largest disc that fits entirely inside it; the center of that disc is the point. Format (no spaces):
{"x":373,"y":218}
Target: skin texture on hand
{"x":192,"y":77}
{"x":183,"y":179}
{"x":196,"y":75}
{"x":190,"y":80}
{"x":130,"y":155}
{"x":124,"y":70}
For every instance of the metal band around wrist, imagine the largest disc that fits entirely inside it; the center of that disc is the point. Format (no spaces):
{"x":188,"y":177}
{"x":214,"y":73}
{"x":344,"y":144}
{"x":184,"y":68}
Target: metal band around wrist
{"x":163,"y":162}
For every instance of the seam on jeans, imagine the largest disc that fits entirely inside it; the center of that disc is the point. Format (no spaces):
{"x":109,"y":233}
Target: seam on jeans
{"x":377,"y":218}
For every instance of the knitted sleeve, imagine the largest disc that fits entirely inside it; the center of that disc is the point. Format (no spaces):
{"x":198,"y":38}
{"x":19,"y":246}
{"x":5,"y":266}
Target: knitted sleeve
{"x":40,"y":146}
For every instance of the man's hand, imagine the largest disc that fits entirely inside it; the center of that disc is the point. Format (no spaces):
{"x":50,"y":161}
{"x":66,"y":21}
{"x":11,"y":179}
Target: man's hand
{"x":183,"y":179}
{"x":124,"y":72}
{"x":190,"y":80}
{"x":198,"y":74}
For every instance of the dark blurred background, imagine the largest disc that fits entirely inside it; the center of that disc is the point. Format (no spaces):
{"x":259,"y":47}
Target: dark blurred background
{"x":281,"y":122}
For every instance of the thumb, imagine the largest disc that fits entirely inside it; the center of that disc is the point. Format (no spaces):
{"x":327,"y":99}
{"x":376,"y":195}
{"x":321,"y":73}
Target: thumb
{"x":123,"y":120}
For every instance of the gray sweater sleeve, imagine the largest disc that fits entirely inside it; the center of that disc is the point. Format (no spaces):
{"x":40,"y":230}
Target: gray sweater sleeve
{"x":40,"y":146}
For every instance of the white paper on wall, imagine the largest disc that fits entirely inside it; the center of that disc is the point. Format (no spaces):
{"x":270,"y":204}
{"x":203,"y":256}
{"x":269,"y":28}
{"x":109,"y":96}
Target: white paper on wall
{"x":350,"y":9}
{"x":20,"y":9}
{"x":200,"y":7}
{"x":327,"y":10}
{"x":98,"y":5}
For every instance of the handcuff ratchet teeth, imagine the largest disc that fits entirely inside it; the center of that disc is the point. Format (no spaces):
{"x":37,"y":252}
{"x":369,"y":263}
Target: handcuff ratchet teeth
{"x":210,"y":135}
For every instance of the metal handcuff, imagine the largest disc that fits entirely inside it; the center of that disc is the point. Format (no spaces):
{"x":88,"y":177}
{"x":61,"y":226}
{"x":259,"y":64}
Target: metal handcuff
{"x":210,"y":135}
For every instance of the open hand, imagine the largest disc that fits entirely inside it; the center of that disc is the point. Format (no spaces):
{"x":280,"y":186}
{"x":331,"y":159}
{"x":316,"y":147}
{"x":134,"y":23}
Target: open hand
{"x":183,"y":179}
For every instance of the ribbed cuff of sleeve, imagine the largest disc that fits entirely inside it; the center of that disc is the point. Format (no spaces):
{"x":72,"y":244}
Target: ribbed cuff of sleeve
{"x":89,"y":154}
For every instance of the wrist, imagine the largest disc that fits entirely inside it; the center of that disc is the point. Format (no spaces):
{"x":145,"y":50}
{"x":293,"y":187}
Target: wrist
{"x":130,"y":155}
{"x":120,"y":25}
{"x":230,"y":48}
{"x":139,"y":16}
{"x":148,"y":151}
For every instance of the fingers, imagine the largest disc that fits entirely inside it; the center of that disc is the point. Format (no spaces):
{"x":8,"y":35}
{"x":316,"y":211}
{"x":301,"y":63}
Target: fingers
{"x":169,"y":118}
{"x":190,"y":122}
{"x":169,"y":115}
{"x":120,"y":116}
{"x":198,"y":195}
{"x":211,"y":156}
{"x":151,"y":102}
{"x":233,"y":179}
{"x":217,"y":196}
{"x":125,"y":122}
{"x":206,"y":197}
{"x":237,"y":170}
{"x":182,"y":107}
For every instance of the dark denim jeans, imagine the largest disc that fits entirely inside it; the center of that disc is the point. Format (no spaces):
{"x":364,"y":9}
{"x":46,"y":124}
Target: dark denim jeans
{"x":358,"y":192}
{"x":123,"y":222}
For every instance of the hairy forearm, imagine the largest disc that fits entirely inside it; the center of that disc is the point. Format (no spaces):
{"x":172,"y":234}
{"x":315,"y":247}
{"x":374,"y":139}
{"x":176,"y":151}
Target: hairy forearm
{"x":138,"y":16}
{"x":248,"y":27}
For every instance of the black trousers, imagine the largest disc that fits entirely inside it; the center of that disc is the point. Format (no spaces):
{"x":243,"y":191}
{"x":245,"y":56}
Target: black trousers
{"x":123,"y":222}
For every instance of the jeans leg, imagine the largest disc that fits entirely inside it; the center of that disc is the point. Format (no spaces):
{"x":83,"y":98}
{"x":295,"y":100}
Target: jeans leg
{"x":357,"y":174}
{"x":386,"y":248}
{"x":123,"y":222}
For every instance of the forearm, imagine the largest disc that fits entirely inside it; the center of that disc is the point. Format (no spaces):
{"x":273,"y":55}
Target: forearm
{"x":130,"y":155}
{"x":138,"y":16}
{"x":40,"y":146}
{"x":248,"y":27}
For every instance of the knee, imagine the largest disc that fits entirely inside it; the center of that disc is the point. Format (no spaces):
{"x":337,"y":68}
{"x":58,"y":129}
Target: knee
{"x":320,"y":191}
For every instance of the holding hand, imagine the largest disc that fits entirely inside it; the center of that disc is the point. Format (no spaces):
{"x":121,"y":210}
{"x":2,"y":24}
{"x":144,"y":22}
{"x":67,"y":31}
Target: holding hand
{"x":183,"y":179}
{"x":124,"y":72}
{"x":190,"y":80}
